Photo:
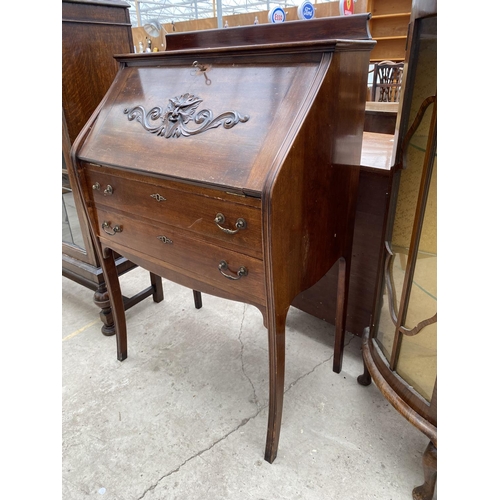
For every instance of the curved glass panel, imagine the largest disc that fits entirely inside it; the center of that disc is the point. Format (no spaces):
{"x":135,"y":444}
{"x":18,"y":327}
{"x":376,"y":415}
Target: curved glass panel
{"x":410,"y":288}
{"x":417,"y":362}
{"x":71,"y":232}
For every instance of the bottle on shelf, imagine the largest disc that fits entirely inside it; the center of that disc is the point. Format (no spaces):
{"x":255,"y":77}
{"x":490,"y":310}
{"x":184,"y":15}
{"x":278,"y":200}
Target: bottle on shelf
{"x":256,"y":20}
{"x":148,"y":48}
{"x":141,"y":48}
{"x":226,"y":25}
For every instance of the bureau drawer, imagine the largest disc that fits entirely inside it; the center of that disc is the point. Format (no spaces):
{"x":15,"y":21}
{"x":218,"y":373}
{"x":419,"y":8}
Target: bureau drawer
{"x":236,"y":225}
{"x":178,"y":248}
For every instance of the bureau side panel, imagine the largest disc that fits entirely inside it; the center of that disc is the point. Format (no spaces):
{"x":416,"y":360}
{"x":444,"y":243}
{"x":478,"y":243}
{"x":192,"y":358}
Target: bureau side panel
{"x":310,"y":207}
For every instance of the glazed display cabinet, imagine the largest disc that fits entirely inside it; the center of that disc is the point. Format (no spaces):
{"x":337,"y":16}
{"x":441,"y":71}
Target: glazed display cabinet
{"x":92,"y":32}
{"x":400,"y":346}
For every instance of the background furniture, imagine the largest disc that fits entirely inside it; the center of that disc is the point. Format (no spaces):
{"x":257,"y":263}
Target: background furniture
{"x":234,"y":169}
{"x":388,"y":23}
{"x":92,"y":31}
{"x":389,"y":27}
{"x":387,"y":78}
{"x":322,"y":10}
{"x":400,"y":347}
{"x":381,"y":117}
{"x":371,"y":205}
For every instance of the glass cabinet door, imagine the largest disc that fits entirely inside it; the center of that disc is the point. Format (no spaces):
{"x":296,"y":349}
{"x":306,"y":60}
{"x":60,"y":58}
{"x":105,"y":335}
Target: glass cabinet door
{"x":406,"y":328}
{"x":400,"y":347}
{"x":76,"y":240}
{"x":71,"y":231}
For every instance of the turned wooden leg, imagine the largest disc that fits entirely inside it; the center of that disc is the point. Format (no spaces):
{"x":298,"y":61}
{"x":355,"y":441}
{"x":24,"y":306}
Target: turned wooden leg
{"x":276,"y":336}
{"x":101,"y":300}
{"x":197,"y":299}
{"x":429,"y":461}
{"x":116,"y":301}
{"x":365,"y":378}
{"x":340,"y":316}
{"x":157,"y":287}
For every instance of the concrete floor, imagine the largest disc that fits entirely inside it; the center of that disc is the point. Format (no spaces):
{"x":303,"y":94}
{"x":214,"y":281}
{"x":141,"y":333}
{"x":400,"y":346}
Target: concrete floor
{"x":185,"y":416}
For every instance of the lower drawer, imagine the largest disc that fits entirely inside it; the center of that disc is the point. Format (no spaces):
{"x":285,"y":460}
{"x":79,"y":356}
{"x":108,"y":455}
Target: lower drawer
{"x":210,"y":263}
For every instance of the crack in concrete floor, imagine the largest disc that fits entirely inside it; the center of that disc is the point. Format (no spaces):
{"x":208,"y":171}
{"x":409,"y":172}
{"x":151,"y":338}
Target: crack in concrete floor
{"x":254,"y":399}
{"x":243,"y":422}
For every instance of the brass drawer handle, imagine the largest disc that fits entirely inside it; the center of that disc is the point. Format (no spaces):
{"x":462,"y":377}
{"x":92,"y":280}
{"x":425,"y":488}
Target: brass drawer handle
{"x":157,"y":197}
{"x":242,"y":271}
{"x":96,"y":186}
{"x":115,"y":229}
{"x":164,"y":239}
{"x":240,"y":224}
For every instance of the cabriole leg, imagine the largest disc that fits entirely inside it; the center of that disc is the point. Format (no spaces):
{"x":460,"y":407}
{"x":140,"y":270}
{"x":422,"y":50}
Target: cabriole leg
{"x":340,"y":316}
{"x":429,"y":461}
{"x":197,"y":299}
{"x":116,"y":300}
{"x":276,"y":333}
{"x":365,"y":379}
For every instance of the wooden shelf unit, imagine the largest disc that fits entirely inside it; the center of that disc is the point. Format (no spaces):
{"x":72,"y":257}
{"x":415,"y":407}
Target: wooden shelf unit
{"x":92,"y":31}
{"x":389,"y":27}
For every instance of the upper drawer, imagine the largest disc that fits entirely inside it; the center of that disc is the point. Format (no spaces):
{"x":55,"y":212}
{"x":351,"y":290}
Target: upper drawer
{"x":232,"y":225}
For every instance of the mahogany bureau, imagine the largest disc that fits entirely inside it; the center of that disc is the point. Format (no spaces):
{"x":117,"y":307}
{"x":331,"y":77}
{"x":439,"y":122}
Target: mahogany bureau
{"x":232,"y":168}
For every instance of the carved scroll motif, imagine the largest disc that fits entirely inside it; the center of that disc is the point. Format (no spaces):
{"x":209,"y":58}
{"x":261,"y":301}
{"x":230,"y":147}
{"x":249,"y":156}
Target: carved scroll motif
{"x":173,"y":121}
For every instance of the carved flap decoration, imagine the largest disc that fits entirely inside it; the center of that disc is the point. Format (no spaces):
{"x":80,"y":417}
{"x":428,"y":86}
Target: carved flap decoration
{"x":180,"y":111}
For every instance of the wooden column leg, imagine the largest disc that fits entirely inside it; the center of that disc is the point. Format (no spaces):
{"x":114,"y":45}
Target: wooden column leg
{"x":341,"y":314}
{"x":116,"y":300}
{"x":276,"y":336}
{"x":429,"y":461}
{"x":101,"y":300}
{"x":157,"y":287}
{"x":197,"y":299}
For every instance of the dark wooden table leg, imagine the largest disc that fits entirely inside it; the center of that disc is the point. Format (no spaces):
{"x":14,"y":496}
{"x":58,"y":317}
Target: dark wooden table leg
{"x":340,"y":316}
{"x":276,"y":334}
{"x":197,"y":299}
{"x":116,"y":301}
{"x":157,"y":287}
{"x":429,"y":461}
